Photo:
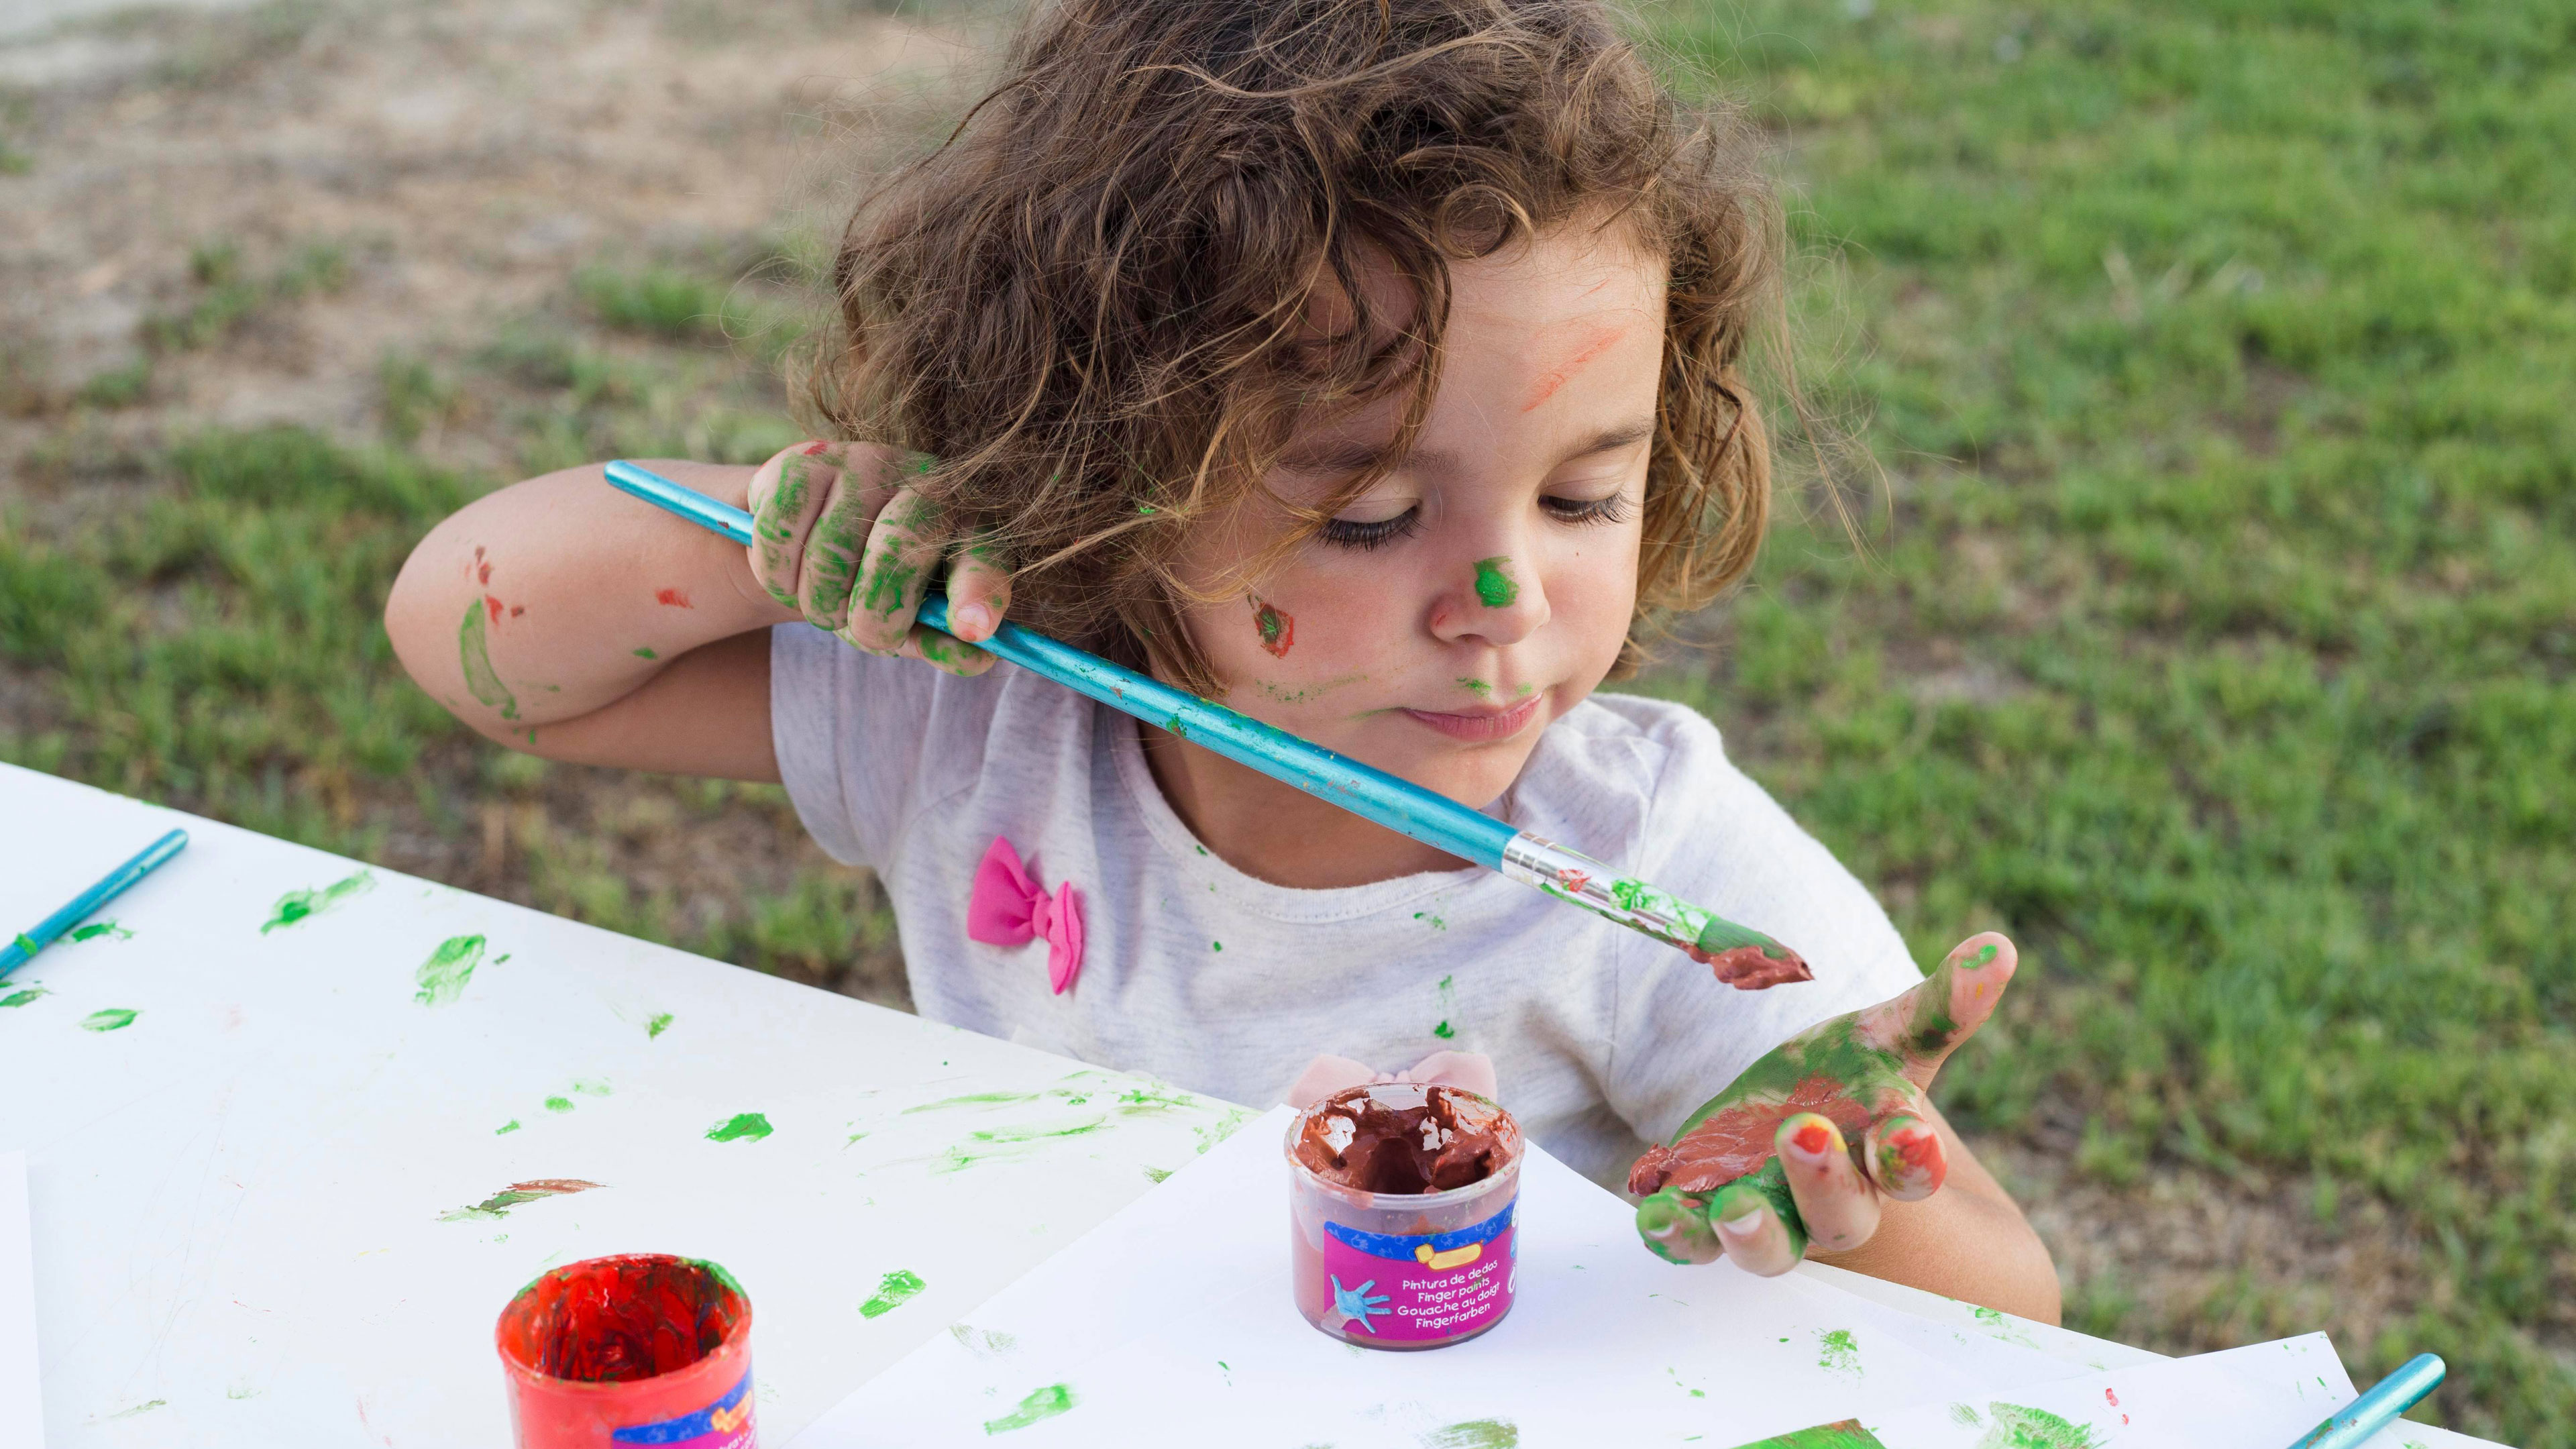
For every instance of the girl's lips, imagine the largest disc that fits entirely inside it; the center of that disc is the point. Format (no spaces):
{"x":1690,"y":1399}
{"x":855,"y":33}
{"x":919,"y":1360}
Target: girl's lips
{"x":1484,"y":726}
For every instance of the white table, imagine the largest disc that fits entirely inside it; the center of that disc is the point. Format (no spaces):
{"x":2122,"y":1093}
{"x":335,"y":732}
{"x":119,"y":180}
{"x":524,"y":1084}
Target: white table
{"x":253,"y":1206}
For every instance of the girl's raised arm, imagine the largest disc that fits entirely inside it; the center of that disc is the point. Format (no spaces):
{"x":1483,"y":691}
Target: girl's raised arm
{"x":561,"y":618}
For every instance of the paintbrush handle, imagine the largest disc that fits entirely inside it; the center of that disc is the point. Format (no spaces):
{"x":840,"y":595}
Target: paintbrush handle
{"x":37,"y":937}
{"x":2379,"y":1408}
{"x":1364,"y":790}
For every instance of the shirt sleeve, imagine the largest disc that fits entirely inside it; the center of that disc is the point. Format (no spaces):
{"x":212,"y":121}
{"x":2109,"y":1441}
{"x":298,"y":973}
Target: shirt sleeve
{"x":1719,"y":841}
{"x":850,"y":730}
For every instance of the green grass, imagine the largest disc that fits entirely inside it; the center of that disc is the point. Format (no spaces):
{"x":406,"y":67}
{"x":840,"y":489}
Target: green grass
{"x":2222,"y":648}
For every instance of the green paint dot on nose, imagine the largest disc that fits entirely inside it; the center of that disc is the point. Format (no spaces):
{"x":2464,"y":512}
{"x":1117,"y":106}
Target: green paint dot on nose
{"x":1493,"y":585}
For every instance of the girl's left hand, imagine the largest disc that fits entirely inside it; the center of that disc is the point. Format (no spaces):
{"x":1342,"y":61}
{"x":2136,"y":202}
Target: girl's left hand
{"x":1809,"y":1143}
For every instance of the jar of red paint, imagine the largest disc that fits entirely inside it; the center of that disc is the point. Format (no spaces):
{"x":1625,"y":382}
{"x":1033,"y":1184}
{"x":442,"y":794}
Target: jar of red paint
{"x":1402,"y":1205}
{"x":643,"y":1348}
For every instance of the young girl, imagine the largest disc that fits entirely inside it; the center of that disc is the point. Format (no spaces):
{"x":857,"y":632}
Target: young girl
{"x":1369,"y":366}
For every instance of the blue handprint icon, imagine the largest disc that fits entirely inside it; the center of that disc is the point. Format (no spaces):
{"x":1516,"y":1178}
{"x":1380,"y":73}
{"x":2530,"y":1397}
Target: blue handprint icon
{"x":1356,"y":1304}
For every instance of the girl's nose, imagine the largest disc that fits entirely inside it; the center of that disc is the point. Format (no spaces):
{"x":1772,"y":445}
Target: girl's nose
{"x":1492,"y":599}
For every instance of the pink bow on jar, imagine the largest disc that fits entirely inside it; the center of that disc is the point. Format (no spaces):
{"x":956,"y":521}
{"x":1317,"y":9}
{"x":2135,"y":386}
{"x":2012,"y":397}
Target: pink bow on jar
{"x":1009,"y":908}
{"x":1468,"y":1071}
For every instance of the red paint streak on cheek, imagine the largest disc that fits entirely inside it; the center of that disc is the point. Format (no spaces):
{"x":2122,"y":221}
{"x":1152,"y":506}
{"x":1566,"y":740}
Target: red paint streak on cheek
{"x":1599,"y":342}
{"x":672,"y":597}
{"x":494,"y":605}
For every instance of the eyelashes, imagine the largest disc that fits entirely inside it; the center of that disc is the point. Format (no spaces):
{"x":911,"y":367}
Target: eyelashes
{"x":1581,"y":512}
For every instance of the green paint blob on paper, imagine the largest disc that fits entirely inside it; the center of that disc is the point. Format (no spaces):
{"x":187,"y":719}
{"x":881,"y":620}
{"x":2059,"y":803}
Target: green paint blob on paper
{"x":590,"y":1087}
{"x":1041,"y":1404}
{"x":894,"y":1290}
{"x":295,"y":906}
{"x":1838,"y":1352}
{"x":142,"y":1408}
{"x":506,"y":1128}
{"x":742,"y":1124}
{"x":96,"y":929}
{"x":1034,"y":1134}
{"x":971,"y":1099}
{"x":21,"y":998}
{"x":442,"y":977}
{"x":1845,"y":1434}
{"x":1966,"y":1416}
{"x":1494,"y":585}
{"x":2016,"y":1427}
{"x":660,"y":1023}
{"x":558,"y":1104}
{"x":1157,"y":1174}
{"x":474,"y":651}
{"x":114,"y":1018}
{"x":1474,"y":1434}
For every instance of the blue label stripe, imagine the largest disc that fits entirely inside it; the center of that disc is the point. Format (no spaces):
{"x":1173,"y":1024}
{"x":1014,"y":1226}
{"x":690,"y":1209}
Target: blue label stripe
{"x":687,"y":1426}
{"x":1400,"y":1247}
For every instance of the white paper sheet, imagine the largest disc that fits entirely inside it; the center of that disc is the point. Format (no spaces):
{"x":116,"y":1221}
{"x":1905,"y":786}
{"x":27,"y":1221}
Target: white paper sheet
{"x":1176,"y":1314}
{"x":22,"y":1416}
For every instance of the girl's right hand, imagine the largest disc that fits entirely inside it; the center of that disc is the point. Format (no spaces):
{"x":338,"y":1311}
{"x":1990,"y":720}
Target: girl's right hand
{"x":840,"y":536}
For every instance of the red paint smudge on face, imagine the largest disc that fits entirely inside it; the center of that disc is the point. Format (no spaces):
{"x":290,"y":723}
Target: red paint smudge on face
{"x":1278,"y":629}
{"x":1813,"y":1138}
{"x":494,"y":605}
{"x":1593,"y":346}
{"x":672,"y":597}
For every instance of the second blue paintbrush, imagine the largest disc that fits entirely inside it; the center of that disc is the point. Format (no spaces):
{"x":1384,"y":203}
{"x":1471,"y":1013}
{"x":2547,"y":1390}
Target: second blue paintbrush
{"x":1742,"y":956}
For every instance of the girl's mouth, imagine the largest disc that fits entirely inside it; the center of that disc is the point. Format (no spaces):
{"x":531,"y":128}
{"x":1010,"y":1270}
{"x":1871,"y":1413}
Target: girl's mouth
{"x":1483,"y":726}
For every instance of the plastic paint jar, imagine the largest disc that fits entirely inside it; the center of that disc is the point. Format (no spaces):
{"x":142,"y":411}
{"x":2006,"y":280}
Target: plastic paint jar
{"x":1423,"y":1268}
{"x":642,"y":1348}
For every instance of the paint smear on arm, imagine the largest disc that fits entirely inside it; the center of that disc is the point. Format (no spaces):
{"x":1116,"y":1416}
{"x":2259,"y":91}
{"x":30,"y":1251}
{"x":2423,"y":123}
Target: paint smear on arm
{"x":672,"y":598}
{"x":474,"y":651}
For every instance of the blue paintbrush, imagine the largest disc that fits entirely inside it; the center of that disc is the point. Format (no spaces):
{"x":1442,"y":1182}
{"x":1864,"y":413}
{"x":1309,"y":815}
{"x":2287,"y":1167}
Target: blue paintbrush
{"x":40,"y":935}
{"x":2379,"y":1408}
{"x":1743,"y":957}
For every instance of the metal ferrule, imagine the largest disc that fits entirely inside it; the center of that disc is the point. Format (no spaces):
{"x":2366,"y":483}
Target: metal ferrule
{"x":1578,"y":879}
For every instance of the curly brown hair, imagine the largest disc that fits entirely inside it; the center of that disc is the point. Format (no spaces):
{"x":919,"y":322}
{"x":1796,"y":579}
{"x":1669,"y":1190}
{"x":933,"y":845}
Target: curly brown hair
{"x":1089,"y":302}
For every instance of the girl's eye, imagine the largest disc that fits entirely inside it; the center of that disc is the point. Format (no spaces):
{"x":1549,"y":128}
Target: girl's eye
{"x":1343,"y":533}
{"x":1613,"y":509}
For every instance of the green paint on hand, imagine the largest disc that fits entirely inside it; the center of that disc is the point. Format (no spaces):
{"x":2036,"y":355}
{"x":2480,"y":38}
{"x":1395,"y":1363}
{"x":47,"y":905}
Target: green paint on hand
{"x":1493,"y":585}
{"x":558,"y":1104}
{"x":660,"y":1023}
{"x":96,"y":929}
{"x":114,"y":1018}
{"x":21,"y":998}
{"x":1845,"y":1434}
{"x":894,"y":1290}
{"x":506,"y":1128}
{"x":742,"y":1124}
{"x":442,"y":977}
{"x":474,"y":650}
{"x":1475,"y":1434}
{"x":295,"y":906}
{"x":1838,"y":1352}
{"x":2016,"y":1427}
{"x":645,"y":651}
{"x":1041,"y":1404}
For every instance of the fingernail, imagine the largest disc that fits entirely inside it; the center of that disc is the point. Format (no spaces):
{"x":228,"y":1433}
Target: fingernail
{"x":1905,"y":1148}
{"x":1814,"y":1137}
{"x":1743,"y":1227}
{"x":973,"y":622}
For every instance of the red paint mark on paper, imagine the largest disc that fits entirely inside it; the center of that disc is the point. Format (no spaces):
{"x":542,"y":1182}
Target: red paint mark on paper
{"x":494,"y":605}
{"x":1593,"y":346}
{"x":2114,"y":1398}
{"x":672,"y":597}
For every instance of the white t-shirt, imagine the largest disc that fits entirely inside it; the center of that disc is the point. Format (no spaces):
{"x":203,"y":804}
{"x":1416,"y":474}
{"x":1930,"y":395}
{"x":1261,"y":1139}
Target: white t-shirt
{"x":1201,"y":975}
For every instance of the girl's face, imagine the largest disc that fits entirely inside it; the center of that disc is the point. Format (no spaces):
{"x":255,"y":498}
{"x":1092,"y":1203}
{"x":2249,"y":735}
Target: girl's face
{"x":1484,"y":587}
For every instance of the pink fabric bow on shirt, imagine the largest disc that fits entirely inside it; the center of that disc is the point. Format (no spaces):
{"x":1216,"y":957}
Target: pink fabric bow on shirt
{"x":1469,"y":1071}
{"x":1009,"y":908}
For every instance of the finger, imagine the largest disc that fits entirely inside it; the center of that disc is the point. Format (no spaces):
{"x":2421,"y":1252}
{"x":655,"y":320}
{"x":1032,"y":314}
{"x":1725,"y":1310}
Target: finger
{"x":1926,"y":1024}
{"x":1676,"y":1228}
{"x":787,"y":495}
{"x":940,"y":651}
{"x":979,"y":593}
{"x":895,"y":572}
{"x":1906,"y":1158}
{"x":827,"y":569}
{"x":1752,"y":1231}
{"x":1837,"y":1204}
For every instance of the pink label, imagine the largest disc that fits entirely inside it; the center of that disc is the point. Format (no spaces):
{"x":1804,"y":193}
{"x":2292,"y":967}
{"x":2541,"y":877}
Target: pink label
{"x":724,"y":1424}
{"x":1413,"y":1288}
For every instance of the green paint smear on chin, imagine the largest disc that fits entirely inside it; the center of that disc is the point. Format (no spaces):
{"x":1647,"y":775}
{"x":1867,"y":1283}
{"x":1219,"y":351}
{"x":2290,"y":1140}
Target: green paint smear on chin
{"x":1041,"y":1404}
{"x":442,"y":977}
{"x":1493,"y":586}
{"x":894,"y":1290}
{"x":1475,"y":1434}
{"x":2016,"y":1427}
{"x":297,"y":906}
{"x":1847,"y":1434}
{"x":474,"y":652}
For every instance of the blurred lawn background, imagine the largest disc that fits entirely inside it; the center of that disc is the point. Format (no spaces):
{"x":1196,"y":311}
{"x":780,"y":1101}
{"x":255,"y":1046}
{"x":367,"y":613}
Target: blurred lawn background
{"x":2216,"y":640}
